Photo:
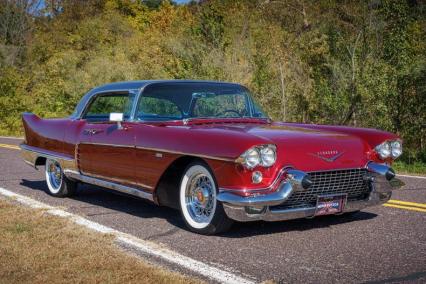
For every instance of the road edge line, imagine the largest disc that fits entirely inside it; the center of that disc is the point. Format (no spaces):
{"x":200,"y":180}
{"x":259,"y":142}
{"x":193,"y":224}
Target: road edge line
{"x":409,"y":176}
{"x":144,"y":246}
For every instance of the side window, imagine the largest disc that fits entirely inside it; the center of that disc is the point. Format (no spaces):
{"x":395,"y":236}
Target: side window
{"x":103,"y":105}
{"x":151,"y":108}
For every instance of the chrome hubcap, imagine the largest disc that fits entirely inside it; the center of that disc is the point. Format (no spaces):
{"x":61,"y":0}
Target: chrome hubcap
{"x":55,"y":174}
{"x":199,"y":198}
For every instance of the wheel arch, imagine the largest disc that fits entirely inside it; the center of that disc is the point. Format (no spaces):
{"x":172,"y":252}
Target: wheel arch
{"x":167,"y":189}
{"x":40,"y":161}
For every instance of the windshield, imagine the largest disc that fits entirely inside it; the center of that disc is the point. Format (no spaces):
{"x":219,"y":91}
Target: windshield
{"x":174,"y":101}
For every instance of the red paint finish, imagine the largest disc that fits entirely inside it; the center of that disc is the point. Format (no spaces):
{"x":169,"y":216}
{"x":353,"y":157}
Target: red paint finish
{"x":141,"y":152}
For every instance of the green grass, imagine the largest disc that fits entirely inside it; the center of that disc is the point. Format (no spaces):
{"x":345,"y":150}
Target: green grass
{"x":414,"y":168}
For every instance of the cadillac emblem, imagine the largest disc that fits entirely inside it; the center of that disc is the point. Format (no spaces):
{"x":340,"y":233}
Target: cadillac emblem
{"x":328,"y":156}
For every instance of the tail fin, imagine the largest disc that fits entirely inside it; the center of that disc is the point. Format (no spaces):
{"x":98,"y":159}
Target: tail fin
{"x":28,"y":120}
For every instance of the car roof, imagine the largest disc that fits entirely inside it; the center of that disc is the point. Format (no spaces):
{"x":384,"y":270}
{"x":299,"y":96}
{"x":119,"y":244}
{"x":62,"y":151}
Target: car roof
{"x":135,"y":85}
{"x":132,"y":85}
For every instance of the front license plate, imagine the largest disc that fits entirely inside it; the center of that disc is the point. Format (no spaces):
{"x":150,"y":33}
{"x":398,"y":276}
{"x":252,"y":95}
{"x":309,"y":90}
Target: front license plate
{"x":330,"y":204}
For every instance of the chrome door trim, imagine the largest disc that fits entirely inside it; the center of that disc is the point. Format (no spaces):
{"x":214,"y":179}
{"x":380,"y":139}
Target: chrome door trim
{"x":106,"y":144}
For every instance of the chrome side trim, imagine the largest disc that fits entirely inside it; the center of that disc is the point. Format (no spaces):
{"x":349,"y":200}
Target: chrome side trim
{"x":31,"y":153}
{"x":107,"y":144}
{"x":44,"y":153}
{"x":160,"y":150}
{"x":111,"y":185}
{"x":186,"y":154}
{"x":117,"y":181}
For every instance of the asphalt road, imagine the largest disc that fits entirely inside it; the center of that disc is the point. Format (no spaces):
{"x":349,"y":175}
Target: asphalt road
{"x":379,"y":245}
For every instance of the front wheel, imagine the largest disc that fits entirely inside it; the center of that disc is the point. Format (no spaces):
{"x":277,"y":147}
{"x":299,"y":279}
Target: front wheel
{"x":201,"y":211}
{"x":57,"y":183}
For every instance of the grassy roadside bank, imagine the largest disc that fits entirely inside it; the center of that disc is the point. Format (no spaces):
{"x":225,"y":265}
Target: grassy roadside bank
{"x":416,"y":168}
{"x":39,"y":248}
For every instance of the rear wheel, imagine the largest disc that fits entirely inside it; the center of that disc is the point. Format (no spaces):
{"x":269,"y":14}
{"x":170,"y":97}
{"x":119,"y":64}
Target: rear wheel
{"x":58,"y":184}
{"x":201,"y":211}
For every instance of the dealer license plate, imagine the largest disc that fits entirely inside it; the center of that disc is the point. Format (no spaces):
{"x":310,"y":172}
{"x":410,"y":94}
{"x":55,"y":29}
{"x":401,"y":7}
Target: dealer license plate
{"x":330,"y":204}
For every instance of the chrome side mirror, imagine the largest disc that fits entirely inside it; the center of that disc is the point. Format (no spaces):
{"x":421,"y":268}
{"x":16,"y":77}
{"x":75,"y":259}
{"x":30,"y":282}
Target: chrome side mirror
{"x":116,"y":117}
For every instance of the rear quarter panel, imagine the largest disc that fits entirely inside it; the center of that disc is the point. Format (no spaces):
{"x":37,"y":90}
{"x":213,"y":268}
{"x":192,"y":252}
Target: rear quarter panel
{"x":46,"y":134}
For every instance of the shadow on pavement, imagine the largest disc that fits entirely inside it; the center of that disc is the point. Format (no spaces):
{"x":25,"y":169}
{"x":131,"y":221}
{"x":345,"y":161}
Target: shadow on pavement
{"x":138,"y":207}
{"x":240,"y":230}
{"x":116,"y":201}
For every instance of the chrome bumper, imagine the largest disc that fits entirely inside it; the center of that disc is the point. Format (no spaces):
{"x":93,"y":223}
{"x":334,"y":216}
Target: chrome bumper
{"x":381,"y":177}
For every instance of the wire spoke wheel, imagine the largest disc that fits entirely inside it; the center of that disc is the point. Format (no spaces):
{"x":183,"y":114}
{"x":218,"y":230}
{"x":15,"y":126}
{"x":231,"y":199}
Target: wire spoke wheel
{"x":54,"y":175}
{"x":200,"y":198}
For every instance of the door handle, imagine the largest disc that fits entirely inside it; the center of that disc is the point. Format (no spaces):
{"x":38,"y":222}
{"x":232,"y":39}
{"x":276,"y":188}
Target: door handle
{"x":92,"y":131}
{"x":96,"y":131}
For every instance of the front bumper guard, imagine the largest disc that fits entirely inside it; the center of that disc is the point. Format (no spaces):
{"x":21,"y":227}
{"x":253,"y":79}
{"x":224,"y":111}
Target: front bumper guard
{"x":260,"y":207}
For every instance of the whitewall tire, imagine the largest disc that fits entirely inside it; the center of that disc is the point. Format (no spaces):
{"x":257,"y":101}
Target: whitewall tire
{"x":57,"y":183}
{"x":200,"y":209}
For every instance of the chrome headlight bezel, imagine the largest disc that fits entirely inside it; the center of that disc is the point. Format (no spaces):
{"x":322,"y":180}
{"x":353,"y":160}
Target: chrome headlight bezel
{"x":389,"y":149}
{"x":263,"y":155}
{"x":251,"y":158}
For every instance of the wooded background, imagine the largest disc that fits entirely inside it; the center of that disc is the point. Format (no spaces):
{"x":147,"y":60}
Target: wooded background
{"x":360,"y":63}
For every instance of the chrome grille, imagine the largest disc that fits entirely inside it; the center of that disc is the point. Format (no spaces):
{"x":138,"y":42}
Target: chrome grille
{"x":349,"y":181}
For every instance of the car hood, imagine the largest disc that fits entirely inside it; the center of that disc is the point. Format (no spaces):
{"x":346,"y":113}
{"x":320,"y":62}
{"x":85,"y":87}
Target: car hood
{"x":301,"y":148}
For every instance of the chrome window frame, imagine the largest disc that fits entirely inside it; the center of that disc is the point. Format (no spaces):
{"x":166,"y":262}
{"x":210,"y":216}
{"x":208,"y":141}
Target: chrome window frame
{"x":138,"y":92}
{"x":93,"y":96}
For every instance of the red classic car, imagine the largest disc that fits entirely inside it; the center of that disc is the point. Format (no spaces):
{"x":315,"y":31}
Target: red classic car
{"x":207,"y":149}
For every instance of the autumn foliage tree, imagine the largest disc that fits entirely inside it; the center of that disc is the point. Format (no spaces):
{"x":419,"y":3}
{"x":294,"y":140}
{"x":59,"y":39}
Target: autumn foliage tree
{"x":359,"y":63}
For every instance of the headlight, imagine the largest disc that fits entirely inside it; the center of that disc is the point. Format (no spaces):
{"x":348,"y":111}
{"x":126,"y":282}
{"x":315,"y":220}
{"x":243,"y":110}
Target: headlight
{"x":251,"y":158}
{"x":268,"y":155}
{"x":396,"y":149}
{"x":264,"y":155}
{"x":384,"y":150}
{"x":389,"y":149}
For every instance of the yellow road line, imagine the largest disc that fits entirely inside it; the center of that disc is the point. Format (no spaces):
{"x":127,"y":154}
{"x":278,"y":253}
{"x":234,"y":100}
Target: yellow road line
{"x":406,"y":203}
{"x":404,"y":207}
{"x":14,"y":147}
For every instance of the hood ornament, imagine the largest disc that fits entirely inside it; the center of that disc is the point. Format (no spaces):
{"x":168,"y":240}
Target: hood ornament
{"x":328,"y":156}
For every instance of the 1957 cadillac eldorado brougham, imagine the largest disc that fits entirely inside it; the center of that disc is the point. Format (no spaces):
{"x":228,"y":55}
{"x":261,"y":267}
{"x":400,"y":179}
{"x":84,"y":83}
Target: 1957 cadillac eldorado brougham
{"x":207,"y":149}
